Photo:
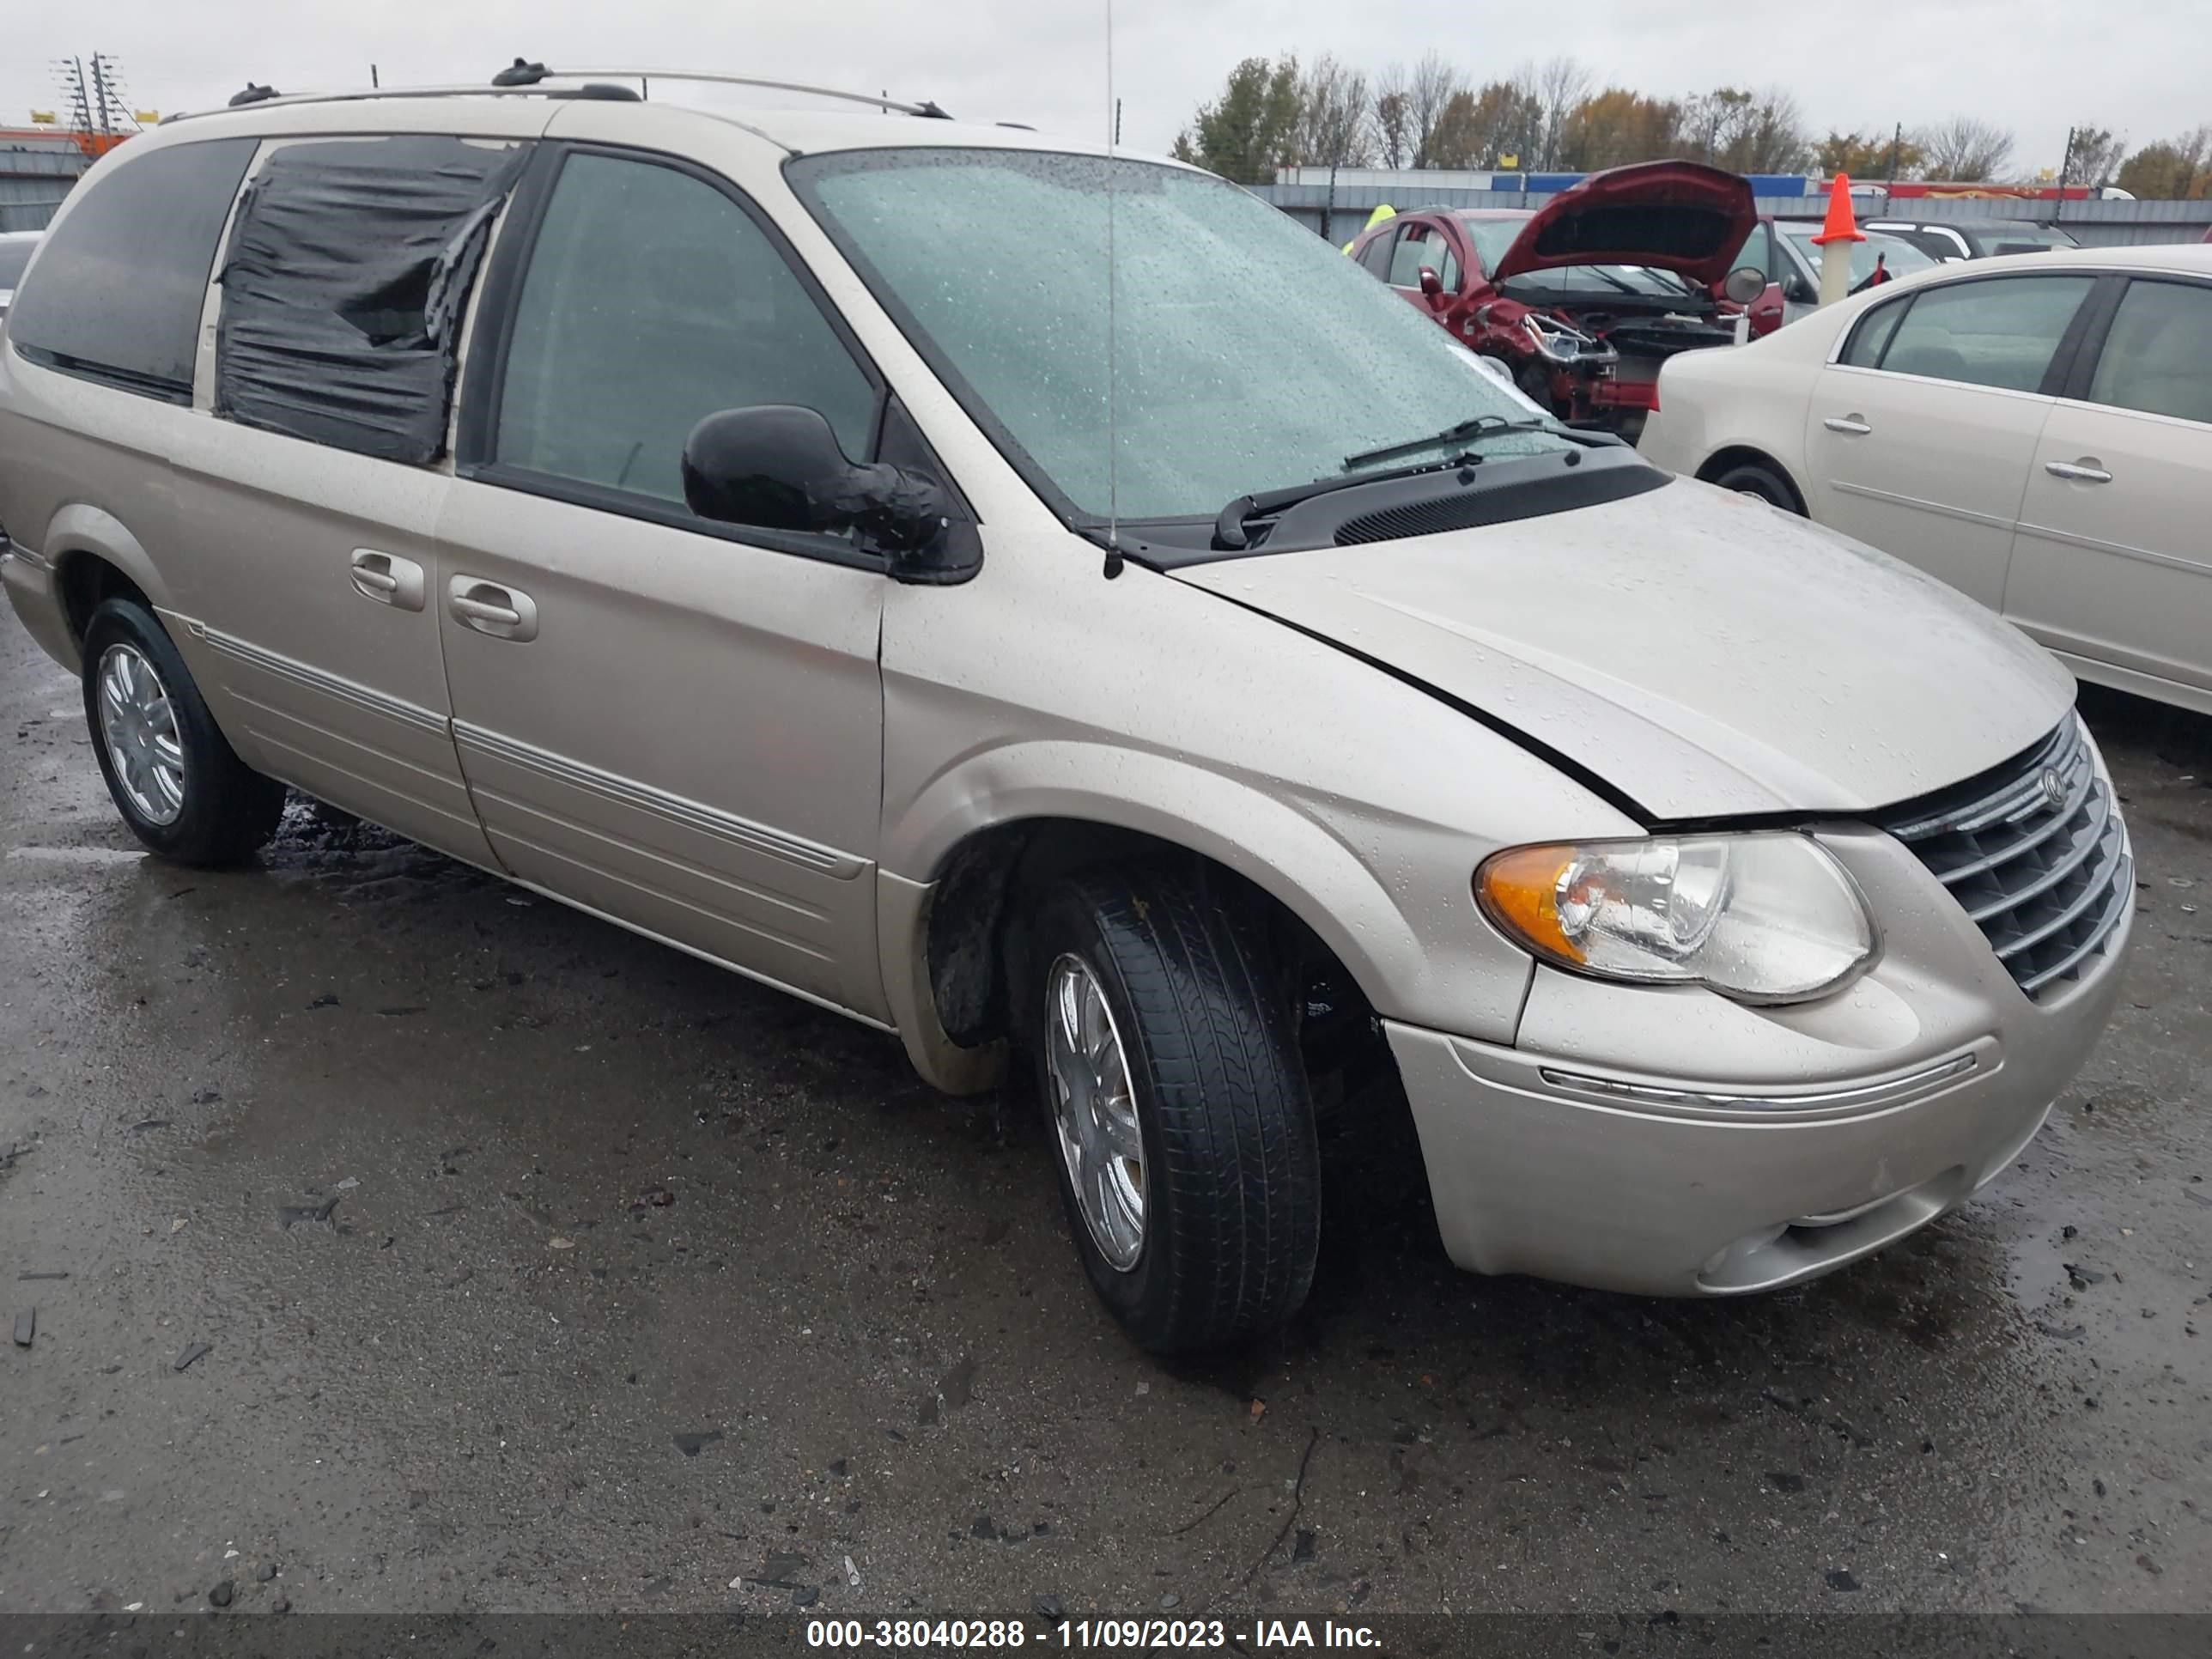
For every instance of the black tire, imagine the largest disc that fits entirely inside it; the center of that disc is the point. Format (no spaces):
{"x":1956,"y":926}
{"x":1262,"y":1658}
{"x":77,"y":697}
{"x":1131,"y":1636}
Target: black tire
{"x":1749,"y":478}
{"x":228,"y":811}
{"x":1232,"y":1169}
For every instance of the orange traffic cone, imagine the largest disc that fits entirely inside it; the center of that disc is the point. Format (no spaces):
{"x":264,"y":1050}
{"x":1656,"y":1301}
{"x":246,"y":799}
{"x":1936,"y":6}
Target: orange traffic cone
{"x":1838,"y":233}
{"x":1839,"y":226}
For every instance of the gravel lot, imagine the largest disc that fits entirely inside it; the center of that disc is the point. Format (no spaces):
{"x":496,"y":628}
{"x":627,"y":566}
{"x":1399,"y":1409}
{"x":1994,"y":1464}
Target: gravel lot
{"x":538,"y":1267}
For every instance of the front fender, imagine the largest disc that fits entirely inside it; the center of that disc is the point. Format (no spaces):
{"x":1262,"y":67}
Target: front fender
{"x":1320,"y":859}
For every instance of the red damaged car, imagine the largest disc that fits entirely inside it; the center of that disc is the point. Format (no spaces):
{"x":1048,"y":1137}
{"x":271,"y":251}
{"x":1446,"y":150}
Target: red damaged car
{"x":1585,"y":297}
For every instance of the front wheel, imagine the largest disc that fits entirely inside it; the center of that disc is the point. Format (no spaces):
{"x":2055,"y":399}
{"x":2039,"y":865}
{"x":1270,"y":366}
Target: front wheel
{"x":1182,"y":1126}
{"x":173,"y":775}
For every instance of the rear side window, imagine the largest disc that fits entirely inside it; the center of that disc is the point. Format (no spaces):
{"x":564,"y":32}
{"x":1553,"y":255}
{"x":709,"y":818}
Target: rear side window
{"x":344,"y":286}
{"x":2002,"y":331}
{"x":2158,"y":356}
{"x":1375,"y":256}
{"x":117,"y":292}
{"x":1871,"y":338}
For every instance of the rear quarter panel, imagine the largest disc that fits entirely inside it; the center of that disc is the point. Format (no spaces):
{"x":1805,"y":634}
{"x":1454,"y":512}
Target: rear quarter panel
{"x":1750,"y":397}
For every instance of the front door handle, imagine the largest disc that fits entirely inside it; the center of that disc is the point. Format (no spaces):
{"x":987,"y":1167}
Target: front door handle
{"x":2085,"y":470}
{"x":1854,"y":424}
{"x":387,"y":579}
{"x":505,"y":613}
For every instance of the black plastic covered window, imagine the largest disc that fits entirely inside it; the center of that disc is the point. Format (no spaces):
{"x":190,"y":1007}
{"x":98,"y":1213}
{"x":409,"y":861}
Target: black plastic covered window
{"x":347,"y":278}
{"x":124,"y":274}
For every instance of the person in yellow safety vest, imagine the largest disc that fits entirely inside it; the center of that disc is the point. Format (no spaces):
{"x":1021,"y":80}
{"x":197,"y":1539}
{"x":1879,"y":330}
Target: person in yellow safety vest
{"x":1386,"y":211}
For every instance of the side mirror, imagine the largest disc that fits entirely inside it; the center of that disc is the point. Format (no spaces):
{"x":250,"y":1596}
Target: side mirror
{"x":777,"y":466}
{"x":1432,"y":284}
{"x":1798,"y":291}
{"x":1743,"y":284}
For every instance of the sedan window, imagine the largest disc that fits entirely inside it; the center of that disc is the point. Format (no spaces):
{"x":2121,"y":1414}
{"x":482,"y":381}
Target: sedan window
{"x":2002,"y":331}
{"x":2158,"y":356}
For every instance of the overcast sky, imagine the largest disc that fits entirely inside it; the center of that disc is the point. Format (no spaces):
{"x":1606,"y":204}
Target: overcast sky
{"x":2032,"y":65}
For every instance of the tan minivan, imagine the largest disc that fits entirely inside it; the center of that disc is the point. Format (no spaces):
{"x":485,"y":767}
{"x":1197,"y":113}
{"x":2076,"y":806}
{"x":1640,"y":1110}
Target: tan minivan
{"x":1028,"y":598}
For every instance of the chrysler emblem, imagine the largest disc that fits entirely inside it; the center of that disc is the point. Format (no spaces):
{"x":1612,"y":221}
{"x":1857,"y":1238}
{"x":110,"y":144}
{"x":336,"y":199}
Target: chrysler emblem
{"x":2054,"y":789}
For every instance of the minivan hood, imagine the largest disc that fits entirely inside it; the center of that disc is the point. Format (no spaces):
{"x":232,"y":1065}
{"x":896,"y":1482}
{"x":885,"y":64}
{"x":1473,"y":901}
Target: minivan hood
{"x":1703,"y":653}
{"x":1671,"y":215}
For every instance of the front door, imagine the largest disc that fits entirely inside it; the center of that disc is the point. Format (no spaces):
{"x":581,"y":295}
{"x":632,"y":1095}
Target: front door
{"x":2113,"y":565}
{"x":1919,"y":434}
{"x":672,"y":723}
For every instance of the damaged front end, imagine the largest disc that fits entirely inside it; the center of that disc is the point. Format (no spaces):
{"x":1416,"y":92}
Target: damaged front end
{"x":1596,"y":365}
{"x":1612,"y":277}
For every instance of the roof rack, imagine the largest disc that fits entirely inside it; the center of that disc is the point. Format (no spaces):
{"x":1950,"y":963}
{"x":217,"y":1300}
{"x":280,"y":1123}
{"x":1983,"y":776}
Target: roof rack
{"x":522,"y":74}
{"x":524,"y":79}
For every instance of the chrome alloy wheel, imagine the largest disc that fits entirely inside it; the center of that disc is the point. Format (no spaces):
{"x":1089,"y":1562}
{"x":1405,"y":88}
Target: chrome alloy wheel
{"x":1094,"y":1111}
{"x":138,"y":725}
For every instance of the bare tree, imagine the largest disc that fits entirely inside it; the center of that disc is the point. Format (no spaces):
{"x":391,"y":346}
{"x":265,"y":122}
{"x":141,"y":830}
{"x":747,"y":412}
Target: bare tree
{"x":2094,"y":155}
{"x":1393,"y":116}
{"x":1558,"y":84}
{"x":1434,"y":84}
{"x":1745,"y":131}
{"x":1964,"y":148}
{"x":1334,"y":115}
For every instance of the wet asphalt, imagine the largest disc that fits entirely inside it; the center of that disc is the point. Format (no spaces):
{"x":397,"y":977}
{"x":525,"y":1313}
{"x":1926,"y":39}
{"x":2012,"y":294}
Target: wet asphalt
{"x":398,"y":1241}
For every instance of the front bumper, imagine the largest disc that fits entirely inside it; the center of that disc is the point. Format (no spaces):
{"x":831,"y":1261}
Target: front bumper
{"x":1670,"y":1142}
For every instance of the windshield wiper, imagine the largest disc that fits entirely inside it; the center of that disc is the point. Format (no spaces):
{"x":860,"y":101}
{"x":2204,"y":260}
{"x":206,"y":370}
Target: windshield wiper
{"x":1229,"y":534}
{"x":1450,"y":435}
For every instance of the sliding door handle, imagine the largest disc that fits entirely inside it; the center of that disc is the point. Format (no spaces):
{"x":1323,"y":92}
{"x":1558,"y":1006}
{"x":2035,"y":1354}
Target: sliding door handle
{"x":387,"y":579}
{"x":505,"y":613}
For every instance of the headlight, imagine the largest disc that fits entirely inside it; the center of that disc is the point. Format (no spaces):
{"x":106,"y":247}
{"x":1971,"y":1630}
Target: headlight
{"x":1563,"y":345}
{"x":1764,"y":917}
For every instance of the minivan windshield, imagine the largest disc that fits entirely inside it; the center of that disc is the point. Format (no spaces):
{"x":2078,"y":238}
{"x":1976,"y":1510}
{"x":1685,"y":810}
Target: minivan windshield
{"x":1249,"y":354}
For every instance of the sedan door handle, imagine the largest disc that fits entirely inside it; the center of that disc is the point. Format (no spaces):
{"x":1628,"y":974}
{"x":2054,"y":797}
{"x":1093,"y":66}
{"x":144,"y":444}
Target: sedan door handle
{"x":387,"y":579}
{"x":505,"y":613}
{"x":1854,"y":424}
{"x":2085,"y":470}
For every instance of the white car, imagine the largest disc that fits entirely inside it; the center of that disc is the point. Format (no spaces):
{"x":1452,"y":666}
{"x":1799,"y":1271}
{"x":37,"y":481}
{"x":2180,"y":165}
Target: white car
{"x":2035,"y":430}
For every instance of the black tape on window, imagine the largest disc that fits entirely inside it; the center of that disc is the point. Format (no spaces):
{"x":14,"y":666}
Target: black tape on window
{"x":342,"y":295}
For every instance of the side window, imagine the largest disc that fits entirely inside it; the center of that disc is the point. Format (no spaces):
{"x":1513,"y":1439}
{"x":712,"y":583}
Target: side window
{"x":2001,"y":331}
{"x":121,"y":281}
{"x":1758,"y":251}
{"x":652,"y":300}
{"x":1375,"y":256}
{"x":2157,"y":353}
{"x":344,"y":289}
{"x":1414,"y":250}
{"x":1870,"y":337}
{"x":1448,"y":269}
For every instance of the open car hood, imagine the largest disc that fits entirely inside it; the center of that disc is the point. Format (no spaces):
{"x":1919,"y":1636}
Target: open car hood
{"x":1672,"y":215}
{"x":1703,"y":654}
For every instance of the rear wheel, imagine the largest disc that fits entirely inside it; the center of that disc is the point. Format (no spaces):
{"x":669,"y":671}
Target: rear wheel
{"x":1749,"y":478}
{"x":1181,"y":1125}
{"x":173,"y":776}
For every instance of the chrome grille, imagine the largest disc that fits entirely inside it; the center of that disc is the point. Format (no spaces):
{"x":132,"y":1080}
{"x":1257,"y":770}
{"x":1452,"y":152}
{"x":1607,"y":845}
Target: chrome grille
{"x":2036,"y":853}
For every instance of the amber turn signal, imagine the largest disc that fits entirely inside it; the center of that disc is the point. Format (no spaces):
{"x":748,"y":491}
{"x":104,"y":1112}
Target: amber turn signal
{"x":1519,"y":890}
